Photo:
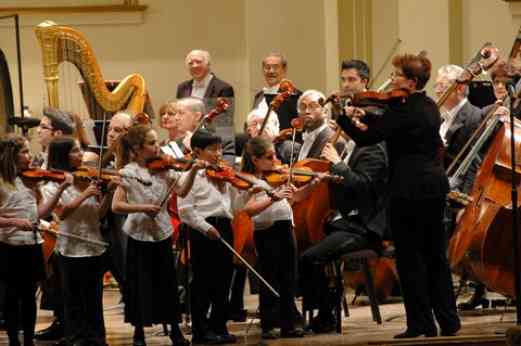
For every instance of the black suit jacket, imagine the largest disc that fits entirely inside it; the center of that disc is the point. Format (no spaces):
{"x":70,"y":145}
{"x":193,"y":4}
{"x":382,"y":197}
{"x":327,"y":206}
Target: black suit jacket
{"x":216,"y":88}
{"x":361,"y":197}
{"x":286,"y":111}
{"x":323,"y":137}
{"x":465,"y":122}
{"x":411,"y":132}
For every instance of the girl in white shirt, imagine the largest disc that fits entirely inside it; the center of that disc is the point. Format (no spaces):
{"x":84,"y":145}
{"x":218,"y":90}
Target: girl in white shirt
{"x":274,"y":240}
{"x":80,"y":208}
{"x":21,"y":258}
{"x":151,"y":277}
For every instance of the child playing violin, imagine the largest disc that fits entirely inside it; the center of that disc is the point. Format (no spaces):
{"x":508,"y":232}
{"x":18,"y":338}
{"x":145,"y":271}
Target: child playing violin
{"x":207,"y":212}
{"x":274,"y":239}
{"x":21,"y":257}
{"x":151,"y":276}
{"x":82,"y":262}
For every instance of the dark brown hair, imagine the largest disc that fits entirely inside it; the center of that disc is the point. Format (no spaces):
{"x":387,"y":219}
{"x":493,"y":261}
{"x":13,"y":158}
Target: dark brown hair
{"x":135,"y":137}
{"x":59,"y":150}
{"x":254,"y":148}
{"x":415,"y":67}
{"x":10,"y":146}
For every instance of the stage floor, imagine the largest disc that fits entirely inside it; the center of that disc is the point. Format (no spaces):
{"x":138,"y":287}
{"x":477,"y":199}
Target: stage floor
{"x":479,"y":327}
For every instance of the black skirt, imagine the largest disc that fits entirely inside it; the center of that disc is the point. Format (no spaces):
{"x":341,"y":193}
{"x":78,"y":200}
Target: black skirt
{"x":22,"y":263}
{"x":152,"y":296}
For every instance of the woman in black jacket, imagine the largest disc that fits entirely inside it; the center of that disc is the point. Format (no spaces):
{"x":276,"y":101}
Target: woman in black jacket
{"x":418,"y":188}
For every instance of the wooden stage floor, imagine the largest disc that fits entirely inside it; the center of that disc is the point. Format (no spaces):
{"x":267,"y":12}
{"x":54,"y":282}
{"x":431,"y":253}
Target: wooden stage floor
{"x":480,"y":327}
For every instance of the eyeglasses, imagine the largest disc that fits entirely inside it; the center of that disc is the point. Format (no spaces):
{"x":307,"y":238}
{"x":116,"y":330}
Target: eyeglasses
{"x":276,"y":67}
{"x":303,"y":108}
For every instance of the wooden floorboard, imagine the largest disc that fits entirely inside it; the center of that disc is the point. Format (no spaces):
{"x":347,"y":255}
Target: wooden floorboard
{"x":479,"y":327}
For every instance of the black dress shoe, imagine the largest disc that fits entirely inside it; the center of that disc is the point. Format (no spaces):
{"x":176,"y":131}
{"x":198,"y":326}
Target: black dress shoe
{"x":207,"y":339}
{"x":179,"y":341}
{"x":238,"y":316}
{"x":414,"y":334}
{"x":322,"y":325}
{"x":474,"y":303}
{"x":269,"y":334}
{"x":450,"y":332}
{"x":292,"y":333}
{"x":139,"y":341}
{"x":53,"y":332}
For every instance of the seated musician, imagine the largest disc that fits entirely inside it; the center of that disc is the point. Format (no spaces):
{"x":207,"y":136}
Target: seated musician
{"x":459,"y":120}
{"x":316,"y":129}
{"x":358,"y":223}
{"x":500,"y":76}
{"x":271,"y":131}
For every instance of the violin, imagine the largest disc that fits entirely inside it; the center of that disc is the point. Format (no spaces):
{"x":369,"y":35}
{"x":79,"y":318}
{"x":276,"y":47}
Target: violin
{"x":286,"y":89}
{"x":221,"y":106}
{"x":300,"y":176}
{"x":379,"y":99}
{"x":163,"y":163}
{"x":39,"y":174}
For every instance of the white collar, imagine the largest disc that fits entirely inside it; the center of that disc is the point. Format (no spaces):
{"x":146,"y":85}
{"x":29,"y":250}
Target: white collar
{"x":203,"y":84}
{"x":274,"y":90}
{"x":450,"y":114}
{"x":311,"y":136}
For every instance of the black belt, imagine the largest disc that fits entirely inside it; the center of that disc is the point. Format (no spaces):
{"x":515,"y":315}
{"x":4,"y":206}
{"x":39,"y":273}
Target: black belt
{"x":218,"y":220}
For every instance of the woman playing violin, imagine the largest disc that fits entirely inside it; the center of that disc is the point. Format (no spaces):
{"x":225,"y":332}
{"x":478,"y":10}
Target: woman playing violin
{"x":21,"y":258}
{"x":418,"y":187}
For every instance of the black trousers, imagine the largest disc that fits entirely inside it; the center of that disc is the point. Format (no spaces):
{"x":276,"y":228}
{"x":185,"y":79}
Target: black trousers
{"x":421,"y":260}
{"x":52,"y":291}
{"x":212,"y":266}
{"x":21,"y":267}
{"x":83,"y":299}
{"x":341,"y":239}
{"x":277,"y":263}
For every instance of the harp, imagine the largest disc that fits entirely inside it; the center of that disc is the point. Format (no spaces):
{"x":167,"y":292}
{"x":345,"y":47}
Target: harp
{"x":6,"y":96}
{"x":60,"y":44}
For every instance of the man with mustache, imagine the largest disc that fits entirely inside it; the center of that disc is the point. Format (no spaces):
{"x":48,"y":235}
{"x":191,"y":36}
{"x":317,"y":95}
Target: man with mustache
{"x":274,"y":68}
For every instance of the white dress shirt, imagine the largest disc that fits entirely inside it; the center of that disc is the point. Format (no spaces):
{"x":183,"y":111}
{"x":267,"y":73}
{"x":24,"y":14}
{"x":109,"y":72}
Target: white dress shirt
{"x":448,"y":118}
{"x":206,"y":199}
{"x":83,"y":221}
{"x":308,"y":140}
{"x":172,"y":149}
{"x":141,"y":226}
{"x":277,"y":211}
{"x":20,"y":202}
{"x":199,"y":87}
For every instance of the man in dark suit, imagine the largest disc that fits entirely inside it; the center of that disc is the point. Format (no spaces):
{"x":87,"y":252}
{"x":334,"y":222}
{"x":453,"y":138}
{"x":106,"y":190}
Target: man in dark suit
{"x":317,"y":132}
{"x":274,"y":68}
{"x":460,"y":120}
{"x":359,"y":223}
{"x":206,"y":86}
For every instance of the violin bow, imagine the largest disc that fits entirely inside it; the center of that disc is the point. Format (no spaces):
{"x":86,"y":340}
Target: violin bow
{"x":236,"y":254}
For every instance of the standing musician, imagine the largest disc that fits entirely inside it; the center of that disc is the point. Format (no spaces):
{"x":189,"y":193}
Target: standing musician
{"x":150,"y":273}
{"x":359,"y":223}
{"x":317,"y":132}
{"x":274,"y":69}
{"x":82,"y":264}
{"x":418,"y":188}
{"x":54,"y":123}
{"x":207,"y":211}
{"x":173,"y":144}
{"x":274,"y":239}
{"x":21,"y":257}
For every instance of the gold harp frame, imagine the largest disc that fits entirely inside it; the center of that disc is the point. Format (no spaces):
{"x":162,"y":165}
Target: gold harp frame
{"x":55,"y":40}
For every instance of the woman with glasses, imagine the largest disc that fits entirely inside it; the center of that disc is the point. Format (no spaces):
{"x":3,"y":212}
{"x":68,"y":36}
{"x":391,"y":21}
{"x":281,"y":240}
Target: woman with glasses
{"x":418,"y":187}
